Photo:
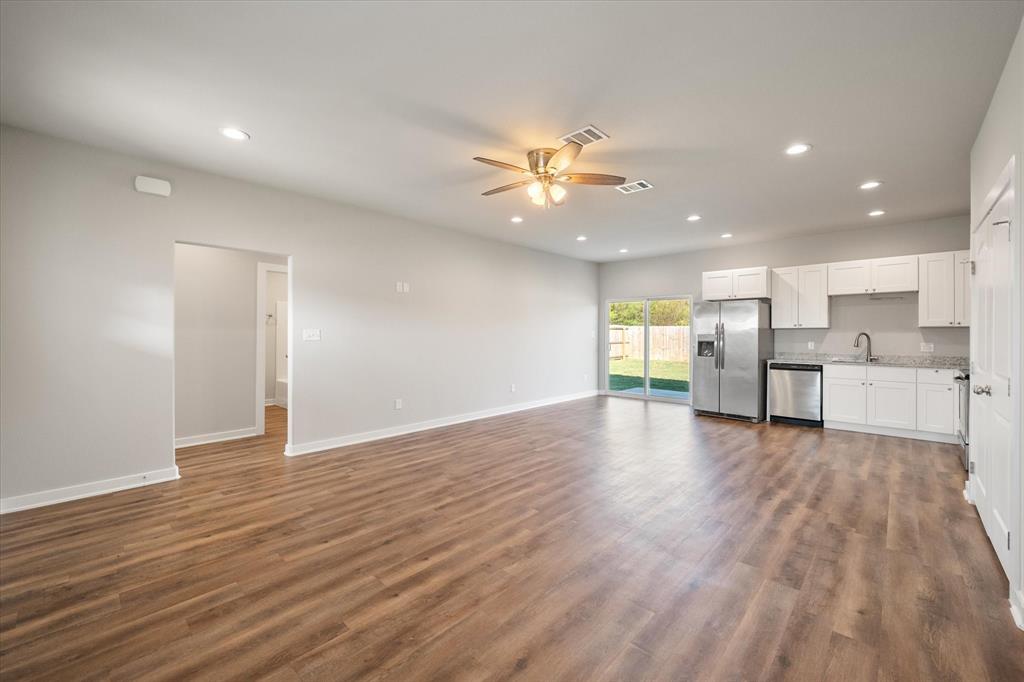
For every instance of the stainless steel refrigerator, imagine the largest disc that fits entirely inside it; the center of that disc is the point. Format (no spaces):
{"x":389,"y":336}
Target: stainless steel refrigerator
{"x":732,"y":343}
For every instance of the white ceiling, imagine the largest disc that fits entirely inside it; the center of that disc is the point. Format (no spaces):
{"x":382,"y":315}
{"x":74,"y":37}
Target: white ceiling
{"x":384,"y":105}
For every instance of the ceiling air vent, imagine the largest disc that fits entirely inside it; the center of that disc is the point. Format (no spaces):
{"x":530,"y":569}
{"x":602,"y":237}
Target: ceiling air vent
{"x":587,"y":135}
{"x":638,"y":186}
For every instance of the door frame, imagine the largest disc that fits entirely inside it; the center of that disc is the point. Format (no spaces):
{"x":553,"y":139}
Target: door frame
{"x":646,"y":300}
{"x":262,"y":269}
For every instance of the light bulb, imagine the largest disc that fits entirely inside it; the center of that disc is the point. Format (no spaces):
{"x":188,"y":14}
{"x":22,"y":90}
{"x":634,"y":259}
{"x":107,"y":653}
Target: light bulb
{"x":536,"y":191}
{"x":539,"y":201}
{"x":557,"y":193}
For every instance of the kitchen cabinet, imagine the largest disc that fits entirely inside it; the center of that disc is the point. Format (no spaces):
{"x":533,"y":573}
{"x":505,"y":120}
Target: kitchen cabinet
{"x":844,"y":400}
{"x":937,"y":408}
{"x":800,"y":297}
{"x":736,"y":284}
{"x":877,"y":275}
{"x":849,"y":277}
{"x":944,"y":293}
{"x":892,"y":404}
{"x":962,"y":289}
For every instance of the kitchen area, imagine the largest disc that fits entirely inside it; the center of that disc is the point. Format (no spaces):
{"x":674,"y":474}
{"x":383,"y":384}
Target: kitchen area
{"x":874,"y":345}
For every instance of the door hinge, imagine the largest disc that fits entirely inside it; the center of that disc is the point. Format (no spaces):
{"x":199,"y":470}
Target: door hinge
{"x":1007,"y":540}
{"x":974,"y":268}
{"x":972,"y":467}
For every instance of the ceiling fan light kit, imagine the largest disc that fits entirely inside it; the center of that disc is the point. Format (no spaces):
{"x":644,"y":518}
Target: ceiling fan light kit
{"x":546,"y":172}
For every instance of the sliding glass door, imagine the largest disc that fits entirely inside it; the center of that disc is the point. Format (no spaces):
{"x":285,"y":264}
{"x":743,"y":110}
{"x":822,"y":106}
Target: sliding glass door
{"x":649,"y":347}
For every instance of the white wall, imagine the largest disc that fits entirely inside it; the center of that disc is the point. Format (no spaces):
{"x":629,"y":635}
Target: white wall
{"x":1001,"y":137}
{"x":277,"y":290}
{"x":86,"y":299}
{"x":892,"y":324}
{"x":215,"y":339}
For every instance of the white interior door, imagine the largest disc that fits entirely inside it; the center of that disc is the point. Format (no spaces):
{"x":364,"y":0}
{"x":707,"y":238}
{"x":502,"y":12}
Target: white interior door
{"x":991,"y":348}
{"x":281,"y":359}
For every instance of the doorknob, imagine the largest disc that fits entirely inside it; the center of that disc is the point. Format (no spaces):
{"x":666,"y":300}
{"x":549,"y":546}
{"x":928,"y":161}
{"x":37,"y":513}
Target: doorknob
{"x":983,"y":390}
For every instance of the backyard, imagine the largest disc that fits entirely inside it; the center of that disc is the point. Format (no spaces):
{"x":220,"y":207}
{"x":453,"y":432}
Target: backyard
{"x":666,"y":375}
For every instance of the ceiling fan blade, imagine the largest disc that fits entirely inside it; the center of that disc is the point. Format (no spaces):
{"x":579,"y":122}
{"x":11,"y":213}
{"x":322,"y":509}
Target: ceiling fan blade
{"x":505,"y":188}
{"x":592,"y":179}
{"x":564,"y":157}
{"x":501,"y":164}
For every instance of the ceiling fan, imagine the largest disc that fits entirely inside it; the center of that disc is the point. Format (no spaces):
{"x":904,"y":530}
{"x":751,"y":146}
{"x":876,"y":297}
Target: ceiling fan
{"x":547,"y":171}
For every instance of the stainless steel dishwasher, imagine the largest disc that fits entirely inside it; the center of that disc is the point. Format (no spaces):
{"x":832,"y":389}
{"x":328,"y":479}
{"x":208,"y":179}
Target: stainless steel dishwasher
{"x":794,"y":393}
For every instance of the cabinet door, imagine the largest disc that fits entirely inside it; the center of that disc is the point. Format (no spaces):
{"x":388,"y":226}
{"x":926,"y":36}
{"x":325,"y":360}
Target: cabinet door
{"x":962,"y":289}
{"x":717,"y":285}
{"x":845,"y":400}
{"x":892,"y":404}
{"x":849,"y":277}
{"x":750,"y":283}
{"x":812,"y":296}
{"x":936,"y":272}
{"x":894,"y":274}
{"x":784,"y":297}
{"x":936,"y":408}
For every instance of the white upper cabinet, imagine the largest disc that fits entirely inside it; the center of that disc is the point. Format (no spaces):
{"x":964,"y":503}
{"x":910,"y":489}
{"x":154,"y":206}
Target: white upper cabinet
{"x":800,"y":297}
{"x":944,"y":293}
{"x":872,"y":276}
{"x":812,"y":296}
{"x":735,"y":284}
{"x":962,"y":289}
{"x":849,"y":277}
{"x":937,"y":272}
{"x":894,"y":274}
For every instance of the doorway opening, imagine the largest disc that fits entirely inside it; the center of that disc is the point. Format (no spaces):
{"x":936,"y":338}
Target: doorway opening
{"x":231,"y":345}
{"x":649,"y":347}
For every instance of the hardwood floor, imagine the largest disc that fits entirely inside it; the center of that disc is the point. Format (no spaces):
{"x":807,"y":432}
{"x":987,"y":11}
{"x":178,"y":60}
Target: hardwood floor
{"x":603,"y":539}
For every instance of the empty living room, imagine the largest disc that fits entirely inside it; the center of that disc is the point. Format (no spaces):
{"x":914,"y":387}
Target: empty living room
{"x":609,"y":341}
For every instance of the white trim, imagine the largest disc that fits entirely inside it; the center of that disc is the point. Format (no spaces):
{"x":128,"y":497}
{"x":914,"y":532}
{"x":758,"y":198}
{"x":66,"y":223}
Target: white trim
{"x":1017,"y":607}
{"x":897,"y":433}
{"x":267,"y":402}
{"x":262,"y":269}
{"x":77,"y":492}
{"x":637,"y":396}
{"x":378,"y":434}
{"x":204,"y":438}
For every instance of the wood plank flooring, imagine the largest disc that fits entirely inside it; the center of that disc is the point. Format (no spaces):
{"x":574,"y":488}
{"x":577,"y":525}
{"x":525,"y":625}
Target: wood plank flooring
{"x":602,"y":539}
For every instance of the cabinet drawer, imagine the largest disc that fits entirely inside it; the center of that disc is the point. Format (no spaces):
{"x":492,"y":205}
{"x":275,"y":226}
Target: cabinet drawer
{"x":936,"y":376}
{"x":907,"y":374}
{"x":844,"y":372}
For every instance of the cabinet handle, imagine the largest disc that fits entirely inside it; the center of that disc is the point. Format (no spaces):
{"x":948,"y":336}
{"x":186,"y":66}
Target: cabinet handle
{"x":865,"y":291}
{"x":862,"y":383}
{"x":949,"y":389}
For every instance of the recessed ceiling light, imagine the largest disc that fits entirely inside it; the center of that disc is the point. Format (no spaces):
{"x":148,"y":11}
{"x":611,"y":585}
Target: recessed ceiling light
{"x":875,"y":214}
{"x":234,"y":134}
{"x":693,"y":218}
{"x":623,"y":250}
{"x":727,"y":235}
{"x":798,"y":148}
{"x":516,"y":219}
{"x":581,"y":238}
{"x":871,"y":184}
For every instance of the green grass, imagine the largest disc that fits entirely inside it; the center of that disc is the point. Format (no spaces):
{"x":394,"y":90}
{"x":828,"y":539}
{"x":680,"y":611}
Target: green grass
{"x":666,"y":375}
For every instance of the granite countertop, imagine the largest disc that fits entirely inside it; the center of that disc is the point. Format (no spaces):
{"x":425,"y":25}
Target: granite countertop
{"x":924,"y":361}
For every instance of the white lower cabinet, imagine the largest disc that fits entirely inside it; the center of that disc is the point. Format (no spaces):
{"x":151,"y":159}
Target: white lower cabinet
{"x":892,"y":404}
{"x":844,"y":400}
{"x":936,"y":408}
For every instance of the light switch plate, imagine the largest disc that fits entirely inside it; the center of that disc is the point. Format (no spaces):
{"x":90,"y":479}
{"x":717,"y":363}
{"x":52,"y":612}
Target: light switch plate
{"x":927,"y":347}
{"x":398,"y":403}
{"x":810,"y":345}
{"x":310,"y":334}
{"x":405,"y":287}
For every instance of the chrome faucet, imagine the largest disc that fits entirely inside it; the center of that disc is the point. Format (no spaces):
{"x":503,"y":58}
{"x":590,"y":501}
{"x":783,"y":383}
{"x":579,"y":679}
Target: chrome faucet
{"x":856,"y":344}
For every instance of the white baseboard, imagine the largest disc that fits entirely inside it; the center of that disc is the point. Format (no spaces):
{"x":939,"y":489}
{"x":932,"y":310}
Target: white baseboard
{"x":269,"y":401}
{"x":897,"y":433}
{"x":366,"y":436}
{"x":77,"y":492}
{"x":1017,"y":607}
{"x":204,"y":438}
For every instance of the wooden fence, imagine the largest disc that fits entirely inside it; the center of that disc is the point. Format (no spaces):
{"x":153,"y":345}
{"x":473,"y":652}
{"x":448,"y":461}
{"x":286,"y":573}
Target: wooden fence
{"x":667,"y":343}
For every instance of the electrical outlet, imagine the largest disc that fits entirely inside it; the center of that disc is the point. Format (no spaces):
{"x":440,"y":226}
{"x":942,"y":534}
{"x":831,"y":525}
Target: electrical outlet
{"x":310,"y":334}
{"x":586,"y":376}
{"x":512,"y":388}
{"x":927,"y":347}
{"x":810,"y":345}
{"x":398,"y":403}
{"x":405,"y":287}
{"x":398,"y":287}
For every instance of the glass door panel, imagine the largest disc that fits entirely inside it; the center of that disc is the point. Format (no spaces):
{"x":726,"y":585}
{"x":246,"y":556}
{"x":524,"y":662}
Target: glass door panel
{"x":626,"y":347}
{"x":669,"y":347}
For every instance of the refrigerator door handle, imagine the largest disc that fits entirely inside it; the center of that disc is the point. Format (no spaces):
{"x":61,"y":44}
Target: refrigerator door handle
{"x":716,"y":345}
{"x":721,"y":346}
